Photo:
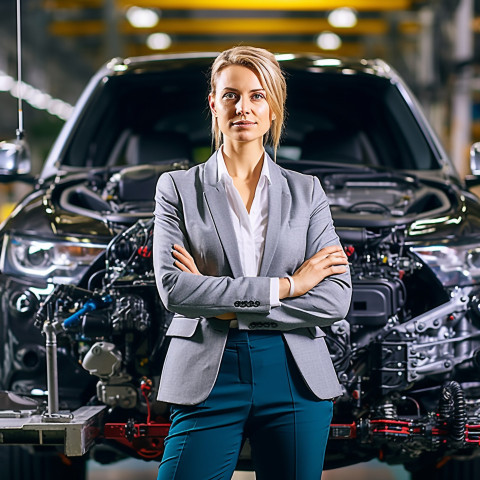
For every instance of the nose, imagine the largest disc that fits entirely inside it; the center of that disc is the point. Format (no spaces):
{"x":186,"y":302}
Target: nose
{"x":242,"y":107}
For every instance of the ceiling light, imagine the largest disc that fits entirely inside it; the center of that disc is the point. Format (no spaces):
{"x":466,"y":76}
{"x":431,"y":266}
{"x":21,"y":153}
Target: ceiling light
{"x":329,"y":41}
{"x":142,"y":17}
{"x":159,"y":41}
{"x":35,"y":97}
{"x":342,"y":18}
{"x":6,"y":82}
{"x":281,"y":57}
{"x":327,"y":62}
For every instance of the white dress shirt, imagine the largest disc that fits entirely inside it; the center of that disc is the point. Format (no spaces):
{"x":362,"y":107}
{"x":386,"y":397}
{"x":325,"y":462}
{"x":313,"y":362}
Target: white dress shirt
{"x":250,"y":228}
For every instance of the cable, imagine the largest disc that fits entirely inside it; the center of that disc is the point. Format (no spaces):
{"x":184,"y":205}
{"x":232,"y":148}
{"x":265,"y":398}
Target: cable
{"x":452,"y":406}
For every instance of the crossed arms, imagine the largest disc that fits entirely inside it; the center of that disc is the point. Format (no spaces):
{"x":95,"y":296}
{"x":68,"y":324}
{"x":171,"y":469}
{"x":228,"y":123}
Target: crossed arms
{"x":322,"y":281}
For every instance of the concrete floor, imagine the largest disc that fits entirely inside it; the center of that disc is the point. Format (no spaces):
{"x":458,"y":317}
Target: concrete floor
{"x":138,"y":470}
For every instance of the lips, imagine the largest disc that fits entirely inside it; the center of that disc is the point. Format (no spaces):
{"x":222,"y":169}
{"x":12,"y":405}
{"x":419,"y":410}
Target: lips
{"x":243,"y":123}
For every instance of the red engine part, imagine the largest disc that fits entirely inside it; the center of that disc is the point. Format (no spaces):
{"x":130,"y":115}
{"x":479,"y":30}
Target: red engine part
{"x":472,"y":434}
{"x":145,"y":438}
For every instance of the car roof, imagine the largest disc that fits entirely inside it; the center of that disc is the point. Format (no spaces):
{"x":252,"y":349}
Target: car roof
{"x":314,"y":63}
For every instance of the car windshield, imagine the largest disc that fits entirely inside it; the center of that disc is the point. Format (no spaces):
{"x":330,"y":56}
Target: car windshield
{"x":145,"y":117}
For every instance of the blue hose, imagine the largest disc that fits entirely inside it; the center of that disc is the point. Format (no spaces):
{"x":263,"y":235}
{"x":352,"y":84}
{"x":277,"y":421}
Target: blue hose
{"x":89,"y":306}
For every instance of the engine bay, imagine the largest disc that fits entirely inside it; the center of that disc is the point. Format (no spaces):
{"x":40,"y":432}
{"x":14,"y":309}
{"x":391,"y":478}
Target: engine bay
{"x":407,"y":354}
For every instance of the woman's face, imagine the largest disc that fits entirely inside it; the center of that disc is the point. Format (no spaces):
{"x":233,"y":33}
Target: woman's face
{"x":240,"y":105}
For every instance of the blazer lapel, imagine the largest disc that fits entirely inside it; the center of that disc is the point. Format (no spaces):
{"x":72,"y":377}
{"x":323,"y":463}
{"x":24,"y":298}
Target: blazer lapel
{"x":277,"y":207}
{"x":217,"y":202}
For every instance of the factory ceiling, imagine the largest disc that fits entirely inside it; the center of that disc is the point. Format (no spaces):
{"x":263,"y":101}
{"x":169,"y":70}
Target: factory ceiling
{"x":65,"y":41}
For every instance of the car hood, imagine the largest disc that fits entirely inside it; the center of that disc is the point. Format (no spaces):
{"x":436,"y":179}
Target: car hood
{"x":359,"y":198}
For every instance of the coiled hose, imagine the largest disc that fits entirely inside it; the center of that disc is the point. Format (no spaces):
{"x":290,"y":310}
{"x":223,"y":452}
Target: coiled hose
{"x":452,"y":407}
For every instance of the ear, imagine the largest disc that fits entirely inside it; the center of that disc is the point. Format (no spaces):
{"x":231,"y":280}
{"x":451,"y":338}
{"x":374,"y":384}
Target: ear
{"x":211,"y":103}
{"x":274,"y":117}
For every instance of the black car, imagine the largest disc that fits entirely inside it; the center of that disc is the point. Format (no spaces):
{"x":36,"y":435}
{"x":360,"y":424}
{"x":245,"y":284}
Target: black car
{"x":80,"y":311}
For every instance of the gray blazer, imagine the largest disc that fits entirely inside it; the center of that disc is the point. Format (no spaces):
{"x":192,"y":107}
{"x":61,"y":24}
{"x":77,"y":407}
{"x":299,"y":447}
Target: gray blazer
{"x":192,"y":210}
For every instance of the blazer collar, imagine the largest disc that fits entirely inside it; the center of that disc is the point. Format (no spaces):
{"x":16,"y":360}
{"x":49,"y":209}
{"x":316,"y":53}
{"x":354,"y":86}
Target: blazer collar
{"x":217,"y":202}
{"x":210,"y":170}
{"x":278,"y":207}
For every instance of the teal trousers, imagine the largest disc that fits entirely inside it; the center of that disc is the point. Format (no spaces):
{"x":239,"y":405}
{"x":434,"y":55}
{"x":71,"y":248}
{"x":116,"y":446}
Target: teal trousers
{"x":259,"y":394}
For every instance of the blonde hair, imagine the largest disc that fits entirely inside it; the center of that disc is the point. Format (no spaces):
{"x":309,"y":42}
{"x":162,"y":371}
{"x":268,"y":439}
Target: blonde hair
{"x":264,"y":64}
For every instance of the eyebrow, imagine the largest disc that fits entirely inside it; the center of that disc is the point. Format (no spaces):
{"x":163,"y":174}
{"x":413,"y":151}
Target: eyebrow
{"x":236,"y":90}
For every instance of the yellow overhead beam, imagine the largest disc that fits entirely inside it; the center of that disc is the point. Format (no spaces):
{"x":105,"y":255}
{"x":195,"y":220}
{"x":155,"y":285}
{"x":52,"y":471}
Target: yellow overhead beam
{"x":217,"y":26}
{"x":313,"y":5}
{"x":77,"y":28}
{"x":257,"y":26}
{"x":347,"y":49}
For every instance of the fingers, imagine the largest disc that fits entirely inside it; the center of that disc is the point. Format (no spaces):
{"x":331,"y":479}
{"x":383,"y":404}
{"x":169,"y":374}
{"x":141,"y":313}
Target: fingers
{"x":184,"y":261}
{"x":326,"y":262}
{"x":330,"y":250}
{"x":182,"y":250}
{"x":181,"y":266}
{"x":336,"y":269}
{"x":335,"y":259}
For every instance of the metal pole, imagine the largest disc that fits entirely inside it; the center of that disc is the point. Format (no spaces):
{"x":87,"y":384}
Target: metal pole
{"x":51,"y":353}
{"x":112,"y":38}
{"x":462,"y":102}
{"x":426,"y":68}
{"x":19,"y":71}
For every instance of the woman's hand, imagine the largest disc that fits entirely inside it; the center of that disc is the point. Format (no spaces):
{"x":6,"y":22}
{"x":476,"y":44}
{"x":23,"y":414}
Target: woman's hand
{"x":328,"y":261}
{"x":183,"y":260}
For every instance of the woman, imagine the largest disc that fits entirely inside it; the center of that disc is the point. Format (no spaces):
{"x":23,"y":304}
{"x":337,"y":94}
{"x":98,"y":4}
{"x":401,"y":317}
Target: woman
{"x":246,"y":255}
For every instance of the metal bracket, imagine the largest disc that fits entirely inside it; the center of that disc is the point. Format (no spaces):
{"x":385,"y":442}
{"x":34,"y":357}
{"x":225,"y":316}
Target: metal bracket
{"x":76,"y":435}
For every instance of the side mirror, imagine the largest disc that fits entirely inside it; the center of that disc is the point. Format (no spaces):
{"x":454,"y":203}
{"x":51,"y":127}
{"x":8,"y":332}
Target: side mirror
{"x":15,"y":160}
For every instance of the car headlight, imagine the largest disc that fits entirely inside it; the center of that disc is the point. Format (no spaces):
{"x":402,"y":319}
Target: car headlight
{"x":63,"y":261}
{"x":453,"y":265}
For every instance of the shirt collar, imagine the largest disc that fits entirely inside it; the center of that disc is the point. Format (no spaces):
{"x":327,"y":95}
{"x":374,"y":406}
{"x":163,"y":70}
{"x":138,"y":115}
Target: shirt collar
{"x":222,"y":172}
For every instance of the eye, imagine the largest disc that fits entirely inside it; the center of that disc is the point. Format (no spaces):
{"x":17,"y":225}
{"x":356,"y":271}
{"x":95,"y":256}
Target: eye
{"x":229,"y":96}
{"x":258,"y":96}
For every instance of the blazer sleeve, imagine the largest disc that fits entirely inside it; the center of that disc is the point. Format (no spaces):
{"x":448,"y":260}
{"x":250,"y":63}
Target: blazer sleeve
{"x":324,"y":304}
{"x":196,"y":295}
